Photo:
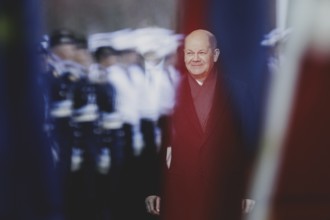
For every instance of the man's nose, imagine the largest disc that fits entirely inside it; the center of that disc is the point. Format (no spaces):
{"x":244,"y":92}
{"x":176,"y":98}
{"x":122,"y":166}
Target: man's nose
{"x":196,"y":57}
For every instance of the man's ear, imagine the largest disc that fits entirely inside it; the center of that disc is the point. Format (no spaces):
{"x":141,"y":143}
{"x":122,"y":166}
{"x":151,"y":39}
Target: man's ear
{"x":216,"y":54}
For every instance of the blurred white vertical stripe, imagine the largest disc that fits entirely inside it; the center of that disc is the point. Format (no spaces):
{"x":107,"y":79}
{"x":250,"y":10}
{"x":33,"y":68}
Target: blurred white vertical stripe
{"x":281,"y":14}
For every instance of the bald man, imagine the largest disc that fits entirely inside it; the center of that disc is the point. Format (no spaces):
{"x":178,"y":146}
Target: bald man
{"x":203,"y":175}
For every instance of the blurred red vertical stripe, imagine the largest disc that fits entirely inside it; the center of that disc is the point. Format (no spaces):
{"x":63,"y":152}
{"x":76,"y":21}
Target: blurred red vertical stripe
{"x":192,"y":15}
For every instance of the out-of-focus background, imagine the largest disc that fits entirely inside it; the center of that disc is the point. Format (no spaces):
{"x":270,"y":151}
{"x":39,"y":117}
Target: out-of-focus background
{"x":102,"y":15}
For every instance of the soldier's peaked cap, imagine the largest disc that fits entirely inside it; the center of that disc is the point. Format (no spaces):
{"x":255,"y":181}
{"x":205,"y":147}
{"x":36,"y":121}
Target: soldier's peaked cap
{"x":62,"y":36}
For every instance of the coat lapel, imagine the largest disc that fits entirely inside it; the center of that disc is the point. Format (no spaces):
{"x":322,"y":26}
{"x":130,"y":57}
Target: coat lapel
{"x":219,"y":105}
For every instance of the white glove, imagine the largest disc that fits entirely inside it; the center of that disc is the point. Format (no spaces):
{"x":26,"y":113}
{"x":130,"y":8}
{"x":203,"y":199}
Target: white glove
{"x":76,"y":159}
{"x":104,"y":162}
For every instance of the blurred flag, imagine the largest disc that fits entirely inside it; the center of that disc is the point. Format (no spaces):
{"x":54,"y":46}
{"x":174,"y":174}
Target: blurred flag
{"x":292,"y":179}
{"x":27,"y":180}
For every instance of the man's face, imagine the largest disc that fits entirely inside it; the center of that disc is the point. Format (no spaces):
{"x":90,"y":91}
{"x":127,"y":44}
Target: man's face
{"x":199,"y":56}
{"x":65,"y":51}
{"x":109,"y":61}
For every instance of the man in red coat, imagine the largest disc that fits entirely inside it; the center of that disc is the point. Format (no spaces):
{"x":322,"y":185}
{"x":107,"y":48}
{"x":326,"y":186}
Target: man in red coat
{"x":203,"y":179}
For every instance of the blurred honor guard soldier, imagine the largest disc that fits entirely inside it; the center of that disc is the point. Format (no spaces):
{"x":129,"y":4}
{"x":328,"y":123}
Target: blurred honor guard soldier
{"x":127,"y":78}
{"x":84,"y":150}
{"x":111,"y":157}
{"x":160,"y":82}
{"x":63,"y":74}
{"x":156,"y":101}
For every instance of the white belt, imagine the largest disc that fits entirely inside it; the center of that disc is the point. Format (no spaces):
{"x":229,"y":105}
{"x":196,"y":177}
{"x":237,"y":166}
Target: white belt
{"x":111,"y":121}
{"x":85,"y":117}
{"x":61,"y":109}
{"x":86,"y":113}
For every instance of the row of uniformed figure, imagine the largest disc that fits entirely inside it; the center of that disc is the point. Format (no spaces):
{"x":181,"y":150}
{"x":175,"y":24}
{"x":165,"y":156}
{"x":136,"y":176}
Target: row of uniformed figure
{"x":106,"y":108}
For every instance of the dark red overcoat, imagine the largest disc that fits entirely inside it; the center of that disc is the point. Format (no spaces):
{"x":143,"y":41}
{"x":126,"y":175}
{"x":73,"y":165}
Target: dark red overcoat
{"x":205,"y":178}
